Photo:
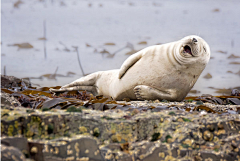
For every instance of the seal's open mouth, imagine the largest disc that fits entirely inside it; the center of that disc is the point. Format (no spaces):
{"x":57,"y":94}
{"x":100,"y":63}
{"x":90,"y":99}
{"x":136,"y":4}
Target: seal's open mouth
{"x":188,"y":50}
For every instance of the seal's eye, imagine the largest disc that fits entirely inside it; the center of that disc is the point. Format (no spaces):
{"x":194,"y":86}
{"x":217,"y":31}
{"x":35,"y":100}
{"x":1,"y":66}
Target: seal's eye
{"x":204,"y":49}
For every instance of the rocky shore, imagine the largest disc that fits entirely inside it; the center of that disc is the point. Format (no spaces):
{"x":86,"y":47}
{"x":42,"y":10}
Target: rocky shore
{"x":66,"y":128}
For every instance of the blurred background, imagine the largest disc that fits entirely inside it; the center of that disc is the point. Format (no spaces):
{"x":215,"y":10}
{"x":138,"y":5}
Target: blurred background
{"x":44,"y":39}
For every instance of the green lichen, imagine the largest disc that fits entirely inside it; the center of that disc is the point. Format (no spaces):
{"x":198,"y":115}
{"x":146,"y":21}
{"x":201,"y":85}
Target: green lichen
{"x":107,"y":118}
{"x":166,"y":101}
{"x":155,"y":136}
{"x":166,"y":138}
{"x":190,"y":100}
{"x":74,"y":109}
{"x":171,"y":113}
{"x":186,"y":119}
{"x":29,"y":111}
{"x":10,"y":130}
{"x":46,"y":109}
{"x":216,"y":149}
{"x":185,"y":146}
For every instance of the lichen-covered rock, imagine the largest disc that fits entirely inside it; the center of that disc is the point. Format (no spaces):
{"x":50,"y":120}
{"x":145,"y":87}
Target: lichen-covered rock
{"x":134,"y":133}
{"x":10,"y":153}
{"x":74,"y":148}
{"x":18,"y":142}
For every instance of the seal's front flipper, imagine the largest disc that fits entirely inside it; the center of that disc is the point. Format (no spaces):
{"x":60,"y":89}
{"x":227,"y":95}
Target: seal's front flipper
{"x":128,"y":63}
{"x":144,"y":92}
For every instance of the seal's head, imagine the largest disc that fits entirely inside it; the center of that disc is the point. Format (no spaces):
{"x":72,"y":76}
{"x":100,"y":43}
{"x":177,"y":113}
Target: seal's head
{"x":192,"y":49}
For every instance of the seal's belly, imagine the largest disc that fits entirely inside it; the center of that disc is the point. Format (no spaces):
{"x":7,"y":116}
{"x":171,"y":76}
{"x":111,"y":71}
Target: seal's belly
{"x":154,"y":73}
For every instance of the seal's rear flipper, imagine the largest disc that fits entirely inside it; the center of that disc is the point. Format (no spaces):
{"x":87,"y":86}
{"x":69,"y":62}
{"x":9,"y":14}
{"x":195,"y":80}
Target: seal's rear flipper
{"x":85,"y":83}
{"x":91,"y":89}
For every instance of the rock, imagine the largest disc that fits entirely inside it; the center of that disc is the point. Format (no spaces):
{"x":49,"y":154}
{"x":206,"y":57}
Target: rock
{"x":8,"y":100}
{"x":235,"y":92}
{"x":141,"y":148}
{"x":157,"y":152}
{"x":139,"y":133}
{"x":18,"y":142}
{"x":36,"y":150}
{"x":11,"y":81}
{"x":207,"y":135}
{"x":73,"y":148}
{"x":4,"y":100}
{"x":9,"y":153}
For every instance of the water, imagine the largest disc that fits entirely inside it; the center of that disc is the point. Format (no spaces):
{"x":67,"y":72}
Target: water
{"x":75,"y":23}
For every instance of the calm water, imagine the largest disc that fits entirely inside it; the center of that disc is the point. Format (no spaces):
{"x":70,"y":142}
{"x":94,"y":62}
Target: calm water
{"x":77,"y":23}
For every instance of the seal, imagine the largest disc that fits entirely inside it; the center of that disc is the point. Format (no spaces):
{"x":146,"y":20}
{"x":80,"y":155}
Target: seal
{"x":166,"y":71}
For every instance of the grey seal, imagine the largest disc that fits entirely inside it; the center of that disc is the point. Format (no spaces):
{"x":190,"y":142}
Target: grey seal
{"x":166,"y":71}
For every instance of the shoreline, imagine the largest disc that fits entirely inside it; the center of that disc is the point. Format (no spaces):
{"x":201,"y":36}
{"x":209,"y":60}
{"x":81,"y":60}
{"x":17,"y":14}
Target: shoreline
{"x":79,"y":126}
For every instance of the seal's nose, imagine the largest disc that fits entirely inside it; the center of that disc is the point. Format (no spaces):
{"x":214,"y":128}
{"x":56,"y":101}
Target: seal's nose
{"x":194,"y":40}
